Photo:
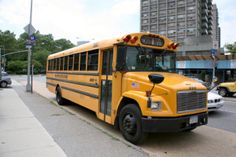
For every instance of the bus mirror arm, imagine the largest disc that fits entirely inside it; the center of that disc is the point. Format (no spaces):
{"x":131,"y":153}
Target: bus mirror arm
{"x":155,"y":79}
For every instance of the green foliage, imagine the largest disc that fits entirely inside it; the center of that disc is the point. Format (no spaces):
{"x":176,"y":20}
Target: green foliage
{"x":17,"y":67}
{"x":231,"y":47}
{"x":7,"y":41}
{"x":44,"y":46}
{"x":41,"y":57}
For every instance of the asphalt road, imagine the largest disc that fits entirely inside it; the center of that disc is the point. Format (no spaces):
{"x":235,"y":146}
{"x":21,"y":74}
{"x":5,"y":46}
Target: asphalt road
{"x":225,"y":117}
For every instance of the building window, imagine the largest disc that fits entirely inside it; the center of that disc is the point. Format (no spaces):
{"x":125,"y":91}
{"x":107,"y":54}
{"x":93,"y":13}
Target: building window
{"x":144,"y":8}
{"x":153,"y":8}
{"x":153,"y":14}
{"x":145,"y":2}
{"x":153,"y":20}
{"x":144,"y":28}
{"x":145,"y":21}
{"x":145,"y":15}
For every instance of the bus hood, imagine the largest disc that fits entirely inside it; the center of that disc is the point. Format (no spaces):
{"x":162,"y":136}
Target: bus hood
{"x":171,"y":81}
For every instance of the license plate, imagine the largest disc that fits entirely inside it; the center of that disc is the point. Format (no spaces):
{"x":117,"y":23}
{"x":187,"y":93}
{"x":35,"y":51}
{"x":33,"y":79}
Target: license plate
{"x":193,"y":119}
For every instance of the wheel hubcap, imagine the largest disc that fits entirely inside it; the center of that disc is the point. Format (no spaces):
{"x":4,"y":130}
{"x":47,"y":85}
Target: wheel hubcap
{"x":129,"y":124}
{"x":3,"y":84}
{"x":222,"y":92}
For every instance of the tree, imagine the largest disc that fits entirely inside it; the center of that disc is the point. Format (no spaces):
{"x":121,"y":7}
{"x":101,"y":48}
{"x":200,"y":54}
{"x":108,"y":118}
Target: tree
{"x":41,"y":57}
{"x":231,"y":47}
{"x":44,"y":46}
{"x":7,"y":41}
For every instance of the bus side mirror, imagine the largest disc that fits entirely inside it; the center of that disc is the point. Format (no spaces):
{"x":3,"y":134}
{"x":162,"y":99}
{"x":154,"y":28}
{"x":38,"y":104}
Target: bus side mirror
{"x":156,"y":78}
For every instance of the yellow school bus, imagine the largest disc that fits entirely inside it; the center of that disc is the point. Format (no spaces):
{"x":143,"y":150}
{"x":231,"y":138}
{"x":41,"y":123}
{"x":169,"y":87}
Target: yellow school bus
{"x":129,"y":82}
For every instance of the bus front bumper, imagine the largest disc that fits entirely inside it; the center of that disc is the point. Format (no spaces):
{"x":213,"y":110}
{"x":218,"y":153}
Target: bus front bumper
{"x":173,"y":124}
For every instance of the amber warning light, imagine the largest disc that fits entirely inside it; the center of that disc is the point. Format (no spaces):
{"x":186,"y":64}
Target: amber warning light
{"x":173,"y":45}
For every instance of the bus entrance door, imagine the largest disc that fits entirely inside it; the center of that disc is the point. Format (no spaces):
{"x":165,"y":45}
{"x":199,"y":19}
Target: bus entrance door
{"x":106,"y":85}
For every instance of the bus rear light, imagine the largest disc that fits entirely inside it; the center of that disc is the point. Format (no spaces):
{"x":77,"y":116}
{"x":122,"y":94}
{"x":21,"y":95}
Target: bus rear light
{"x":127,"y":38}
{"x":134,"y":39}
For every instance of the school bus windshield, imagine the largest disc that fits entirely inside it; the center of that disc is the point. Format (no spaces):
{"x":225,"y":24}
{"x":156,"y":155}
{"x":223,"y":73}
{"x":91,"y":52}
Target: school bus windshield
{"x":146,"y":59}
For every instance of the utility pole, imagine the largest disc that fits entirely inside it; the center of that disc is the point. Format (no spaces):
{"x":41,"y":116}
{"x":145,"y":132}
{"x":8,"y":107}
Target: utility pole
{"x":30,"y":32}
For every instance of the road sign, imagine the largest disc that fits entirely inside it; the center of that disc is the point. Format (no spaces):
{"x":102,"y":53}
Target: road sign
{"x":213,"y":51}
{"x":29,"y":29}
{"x":32,"y":38}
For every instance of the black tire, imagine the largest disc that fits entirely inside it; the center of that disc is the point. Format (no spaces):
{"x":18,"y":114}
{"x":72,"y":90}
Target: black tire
{"x":60,"y":100}
{"x":223,"y":92}
{"x":3,"y":84}
{"x":131,"y":125}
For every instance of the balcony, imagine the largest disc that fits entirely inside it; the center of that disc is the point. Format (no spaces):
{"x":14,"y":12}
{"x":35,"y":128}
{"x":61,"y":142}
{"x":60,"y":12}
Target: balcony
{"x":204,"y":19}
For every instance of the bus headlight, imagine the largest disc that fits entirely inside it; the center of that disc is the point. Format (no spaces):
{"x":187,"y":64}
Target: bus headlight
{"x":156,"y":105}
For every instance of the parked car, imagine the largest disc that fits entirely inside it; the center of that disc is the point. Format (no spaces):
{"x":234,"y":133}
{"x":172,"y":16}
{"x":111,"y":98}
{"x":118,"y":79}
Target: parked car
{"x":214,"y":101}
{"x":5,"y":81}
{"x":227,"y":88}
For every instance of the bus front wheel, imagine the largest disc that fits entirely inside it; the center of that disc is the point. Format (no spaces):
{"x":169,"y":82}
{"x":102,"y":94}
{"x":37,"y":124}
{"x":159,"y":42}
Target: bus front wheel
{"x":130,"y":124}
{"x":60,"y":100}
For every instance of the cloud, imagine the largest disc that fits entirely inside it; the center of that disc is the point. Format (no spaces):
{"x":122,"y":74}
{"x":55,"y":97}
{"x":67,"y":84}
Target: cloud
{"x":227,"y":20}
{"x":73,"y":19}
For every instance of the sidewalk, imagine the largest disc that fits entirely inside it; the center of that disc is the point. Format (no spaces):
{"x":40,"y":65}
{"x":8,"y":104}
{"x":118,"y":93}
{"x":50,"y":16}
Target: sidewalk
{"x":21,"y":134}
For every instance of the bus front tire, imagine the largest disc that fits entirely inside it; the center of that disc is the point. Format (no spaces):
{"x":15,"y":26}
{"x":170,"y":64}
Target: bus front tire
{"x":130,"y":124}
{"x":60,"y":100}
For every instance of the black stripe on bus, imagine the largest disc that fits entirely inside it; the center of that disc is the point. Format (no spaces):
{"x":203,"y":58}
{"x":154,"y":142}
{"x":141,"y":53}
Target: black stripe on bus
{"x":81,"y":92}
{"x":51,"y":84}
{"x":74,"y":82}
{"x":74,"y":73}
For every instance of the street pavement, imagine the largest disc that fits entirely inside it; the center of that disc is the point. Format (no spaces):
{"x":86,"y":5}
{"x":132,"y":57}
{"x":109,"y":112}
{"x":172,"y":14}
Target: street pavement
{"x":203,"y":141}
{"x":21,"y":134}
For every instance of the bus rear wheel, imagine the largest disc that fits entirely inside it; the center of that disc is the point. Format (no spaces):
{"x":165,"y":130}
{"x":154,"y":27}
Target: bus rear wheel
{"x":130,"y":124}
{"x":60,"y":100}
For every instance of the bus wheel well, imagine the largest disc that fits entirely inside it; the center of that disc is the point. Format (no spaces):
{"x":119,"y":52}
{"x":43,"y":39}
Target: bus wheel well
{"x":125,"y":101}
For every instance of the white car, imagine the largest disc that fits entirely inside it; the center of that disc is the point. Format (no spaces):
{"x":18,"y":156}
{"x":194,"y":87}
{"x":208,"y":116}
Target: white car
{"x":215,"y":101}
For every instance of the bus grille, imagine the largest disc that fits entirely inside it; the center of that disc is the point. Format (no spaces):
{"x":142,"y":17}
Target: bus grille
{"x":191,"y":100}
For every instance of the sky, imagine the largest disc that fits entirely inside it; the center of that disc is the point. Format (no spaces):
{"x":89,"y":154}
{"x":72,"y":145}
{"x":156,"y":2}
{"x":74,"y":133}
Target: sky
{"x":79,"y":20}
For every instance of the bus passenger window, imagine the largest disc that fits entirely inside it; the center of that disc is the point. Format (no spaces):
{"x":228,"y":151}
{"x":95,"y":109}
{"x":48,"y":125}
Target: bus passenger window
{"x":76,"y":61}
{"x":93,"y":60}
{"x":71,"y":62}
{"x":61,"y":63}
{"x":65,"y":62}
{"x":83,"y":61}
{"x":58,"y":63}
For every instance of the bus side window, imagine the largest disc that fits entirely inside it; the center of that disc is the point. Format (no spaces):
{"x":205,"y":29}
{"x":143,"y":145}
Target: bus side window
{"x":52,"y":64}
{"x":83,"y":61}
{"x":71,"y":59}
{"x":61,"y":63}
{"x":93,"y":60}
{"x":58,"y":63}
{"x":76,"y":61}
{"x":65,"y":62}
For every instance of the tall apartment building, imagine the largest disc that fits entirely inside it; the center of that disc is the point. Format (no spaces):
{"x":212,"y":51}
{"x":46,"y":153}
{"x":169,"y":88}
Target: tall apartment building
{"x":215,"y":26}
{"x":177,"y":19}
